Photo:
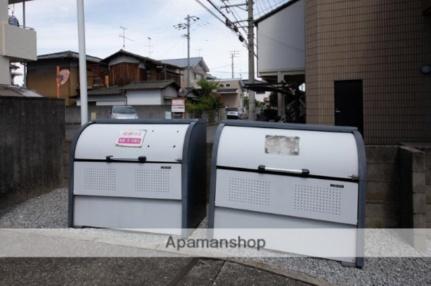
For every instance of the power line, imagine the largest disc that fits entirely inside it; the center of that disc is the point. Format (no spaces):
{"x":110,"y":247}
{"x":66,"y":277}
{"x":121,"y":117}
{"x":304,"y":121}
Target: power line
{"x":227,"y":22}
{"x":211,"y":12}
{"x":232,"y":11}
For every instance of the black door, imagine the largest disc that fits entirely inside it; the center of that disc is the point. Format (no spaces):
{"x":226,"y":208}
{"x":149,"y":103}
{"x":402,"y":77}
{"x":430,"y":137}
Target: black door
{"x":349,"y":104}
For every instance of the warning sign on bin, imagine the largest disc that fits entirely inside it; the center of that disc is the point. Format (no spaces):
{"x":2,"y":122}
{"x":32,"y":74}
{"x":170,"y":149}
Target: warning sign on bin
{"x":131,"y":138}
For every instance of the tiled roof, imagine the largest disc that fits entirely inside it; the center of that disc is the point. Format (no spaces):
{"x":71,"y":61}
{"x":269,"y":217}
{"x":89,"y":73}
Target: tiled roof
{"x":67,"y":54}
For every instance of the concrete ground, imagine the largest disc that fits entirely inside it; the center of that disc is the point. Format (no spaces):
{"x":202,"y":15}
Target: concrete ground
{"x":134,"y":271}
{"x":50,"y":211}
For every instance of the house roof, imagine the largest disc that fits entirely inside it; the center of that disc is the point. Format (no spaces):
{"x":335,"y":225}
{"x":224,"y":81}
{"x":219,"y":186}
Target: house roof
{"x":145,"y":85}
{"x":114,"y":90}
{"x":126,"y":53}
{"x":227,"y":90}
{"x":8,"y":90}
{"x":67,"y":54}
{"x":182,"y":63}
{"x":275,"y":11}
{"x":136,"y":56}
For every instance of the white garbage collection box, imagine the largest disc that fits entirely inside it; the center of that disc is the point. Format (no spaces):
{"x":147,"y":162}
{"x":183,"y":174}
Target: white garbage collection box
{"x":134,"y":174}
{"x":271,"y":175}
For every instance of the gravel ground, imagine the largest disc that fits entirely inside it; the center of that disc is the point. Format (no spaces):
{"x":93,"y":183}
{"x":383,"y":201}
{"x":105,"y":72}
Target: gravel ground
{"x":50,"y":211}
{"x":45,"y":211}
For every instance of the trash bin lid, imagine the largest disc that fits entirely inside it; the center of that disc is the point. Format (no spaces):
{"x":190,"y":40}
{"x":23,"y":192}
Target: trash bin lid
{"x":156,"y":142}
{"x":329,"y":154}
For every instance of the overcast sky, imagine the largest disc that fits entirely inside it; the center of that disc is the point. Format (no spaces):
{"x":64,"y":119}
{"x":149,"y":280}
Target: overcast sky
{"x":55,"y":23}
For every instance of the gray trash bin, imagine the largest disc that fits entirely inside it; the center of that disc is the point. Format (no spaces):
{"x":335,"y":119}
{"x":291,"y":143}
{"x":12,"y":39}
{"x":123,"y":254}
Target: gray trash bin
{"x":128,"y":174}
{"x":271,"y":175}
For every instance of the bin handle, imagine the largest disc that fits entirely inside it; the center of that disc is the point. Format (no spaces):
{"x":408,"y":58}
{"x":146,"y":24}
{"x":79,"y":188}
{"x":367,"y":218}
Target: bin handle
{"x":301,"y":172}
{"x":140,"y":159}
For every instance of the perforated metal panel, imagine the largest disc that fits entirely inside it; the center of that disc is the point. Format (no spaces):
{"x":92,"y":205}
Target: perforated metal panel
{"x":325,"y":200}
{"x":317,"y":199}
{"x":159,"y":181}
{"x":249,"y":191}
{"x":102,"y":179}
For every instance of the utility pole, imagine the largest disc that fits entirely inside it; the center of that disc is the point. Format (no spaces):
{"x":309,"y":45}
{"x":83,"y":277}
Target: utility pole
{"x":251,"y":94}
{"x":186,"y":26}
{"x":188,"y":53}
{"x":82,"y":62}
{"x":233,"y":54}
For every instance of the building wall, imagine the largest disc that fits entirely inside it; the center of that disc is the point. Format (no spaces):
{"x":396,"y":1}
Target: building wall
{"x":144,"y":97}
{"x":280,"y":41}
{"x":383,"y":187}
{"x":4,"y":62}
{"x":4,"y":71}
{"x":195,"y":77}
{"x":169,"y":92}
{"x":41,"y":77}
{"x":31,"y":145}
{"x":231,"y":100}
{"x":19,"y":43}
{"x":384,"y":43}
{"x":73,"y":115}
{"x":124,"y":73}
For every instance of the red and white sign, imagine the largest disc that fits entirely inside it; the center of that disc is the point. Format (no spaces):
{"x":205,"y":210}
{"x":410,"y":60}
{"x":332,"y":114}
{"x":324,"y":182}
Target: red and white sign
{"x":178,"y":105}
{"x":131,"y":138}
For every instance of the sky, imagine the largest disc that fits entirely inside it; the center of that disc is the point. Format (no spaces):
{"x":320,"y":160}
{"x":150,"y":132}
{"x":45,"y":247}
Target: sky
{"x":55,"y":23}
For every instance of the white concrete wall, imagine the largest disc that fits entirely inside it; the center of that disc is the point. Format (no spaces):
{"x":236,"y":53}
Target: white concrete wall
{"x":169,"y":92}
{"x":144,"y":97}
{"x":281,"y":41}
{"x":19,"y":43}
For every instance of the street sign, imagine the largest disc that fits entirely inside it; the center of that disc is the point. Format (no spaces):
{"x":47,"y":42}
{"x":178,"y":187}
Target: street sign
{"x":178,"y":105}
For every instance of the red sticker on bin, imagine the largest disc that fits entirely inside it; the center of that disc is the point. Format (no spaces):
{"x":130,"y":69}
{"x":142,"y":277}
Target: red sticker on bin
{"x":131,"y":138}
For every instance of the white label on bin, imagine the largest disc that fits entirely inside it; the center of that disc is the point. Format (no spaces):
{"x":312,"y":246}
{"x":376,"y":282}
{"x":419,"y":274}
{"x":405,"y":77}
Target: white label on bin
{"x":131,"y":138}
{"x":282,"y":145}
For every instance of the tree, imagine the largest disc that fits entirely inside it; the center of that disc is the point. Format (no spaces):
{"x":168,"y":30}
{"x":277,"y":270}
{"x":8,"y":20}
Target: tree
{"x":207,"y":101}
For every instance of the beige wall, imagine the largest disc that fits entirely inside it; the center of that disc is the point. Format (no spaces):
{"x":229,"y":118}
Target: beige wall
{"x":231,"y":100}
{"x":19,"y":43}
{"x":4,"y":62}
{"x":4,"y":71}
{"x":384,"y":43}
